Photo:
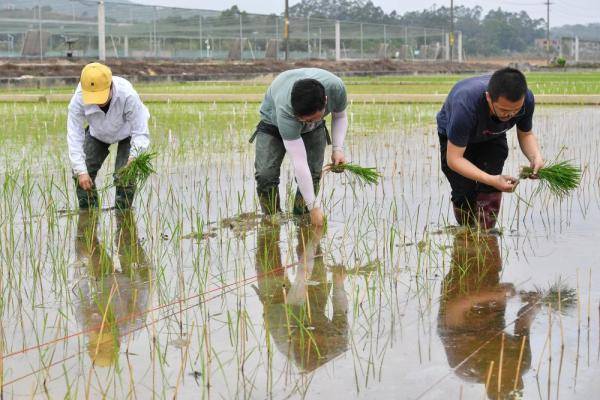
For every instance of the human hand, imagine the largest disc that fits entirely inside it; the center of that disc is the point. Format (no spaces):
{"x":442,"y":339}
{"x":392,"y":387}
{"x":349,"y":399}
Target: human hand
{"x":317,"y":217}
{"x":536,"y":164}
{"x":85,"y":181}
{"x":504,"y":183}
{"x":338,"y":157}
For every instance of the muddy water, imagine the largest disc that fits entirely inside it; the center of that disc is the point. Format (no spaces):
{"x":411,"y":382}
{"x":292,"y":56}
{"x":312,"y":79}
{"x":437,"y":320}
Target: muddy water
{"x":194,"y":295}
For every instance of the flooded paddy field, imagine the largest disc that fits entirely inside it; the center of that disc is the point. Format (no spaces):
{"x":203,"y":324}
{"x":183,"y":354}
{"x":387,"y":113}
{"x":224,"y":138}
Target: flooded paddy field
{"x":193,"y":294}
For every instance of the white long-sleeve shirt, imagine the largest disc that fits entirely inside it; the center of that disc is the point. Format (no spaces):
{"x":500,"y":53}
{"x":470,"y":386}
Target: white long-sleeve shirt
{"x":127,"y":116}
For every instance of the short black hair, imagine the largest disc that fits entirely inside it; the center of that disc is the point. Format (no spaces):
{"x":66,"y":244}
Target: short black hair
{"x":509,"y":83}
{"x":308,"y":97}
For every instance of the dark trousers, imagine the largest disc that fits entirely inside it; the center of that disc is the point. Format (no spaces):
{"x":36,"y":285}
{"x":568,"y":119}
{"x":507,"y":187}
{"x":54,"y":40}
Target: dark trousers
{"x":269,"y":156}
{"x":488,"y":156}
{"x":95,"y":155}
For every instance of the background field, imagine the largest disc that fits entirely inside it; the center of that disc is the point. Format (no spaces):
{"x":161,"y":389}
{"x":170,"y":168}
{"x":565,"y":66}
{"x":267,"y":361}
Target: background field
{"x":199,"y":297}
{"x":539,"y":82}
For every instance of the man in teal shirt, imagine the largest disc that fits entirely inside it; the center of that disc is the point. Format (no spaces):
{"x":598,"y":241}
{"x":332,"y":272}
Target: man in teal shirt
{"x":292,"y":121}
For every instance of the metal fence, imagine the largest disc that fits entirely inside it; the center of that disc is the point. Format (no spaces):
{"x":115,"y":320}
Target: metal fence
{"x":75,"y":28}
{"x":579,"y":50}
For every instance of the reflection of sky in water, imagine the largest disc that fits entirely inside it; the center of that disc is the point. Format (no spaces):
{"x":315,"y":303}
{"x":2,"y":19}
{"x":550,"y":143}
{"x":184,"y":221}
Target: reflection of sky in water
{"x":112,"y":293}
{"x":393,"y":344}
{"x":295,"y":311}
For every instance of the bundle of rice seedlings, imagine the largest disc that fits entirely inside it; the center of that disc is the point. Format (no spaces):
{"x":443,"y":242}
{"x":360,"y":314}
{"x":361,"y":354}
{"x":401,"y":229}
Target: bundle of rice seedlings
{"x":366,"y":175}
{"x":559,"y":178}
{"x":138,"y":170}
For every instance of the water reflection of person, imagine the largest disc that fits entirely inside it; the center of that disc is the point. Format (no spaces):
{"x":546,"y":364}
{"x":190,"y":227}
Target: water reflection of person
{"x":472,"y":311}
{"x":302,"y":330}
{"x":111,"y":301}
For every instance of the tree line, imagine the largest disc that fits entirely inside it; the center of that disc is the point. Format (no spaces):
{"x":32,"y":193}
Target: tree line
{"x":495,"y":33}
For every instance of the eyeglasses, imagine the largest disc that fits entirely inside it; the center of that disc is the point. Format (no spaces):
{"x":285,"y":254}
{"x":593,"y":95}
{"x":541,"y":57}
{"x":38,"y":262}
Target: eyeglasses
{"x":517,"y":114}
{"x":305,"y":120}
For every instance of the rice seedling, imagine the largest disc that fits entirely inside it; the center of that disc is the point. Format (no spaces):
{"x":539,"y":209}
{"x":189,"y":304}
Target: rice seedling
{"x":559,"y":178}
{"x":540,"y":82}
{"x":136,"y":172}
{"x":373,"y":310}
{"x":365,"y":175}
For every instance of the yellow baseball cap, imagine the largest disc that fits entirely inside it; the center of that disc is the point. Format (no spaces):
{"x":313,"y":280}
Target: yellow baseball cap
{"x":103,"y":347}
{"x":96,"y":79}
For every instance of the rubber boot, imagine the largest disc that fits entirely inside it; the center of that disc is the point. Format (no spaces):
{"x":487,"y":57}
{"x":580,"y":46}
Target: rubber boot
{"x":488,"y":208}
{"x":124,"y":197}
{"x":299,"y":205}
{"x":300,"y":208}
{"x":88,"y":199}
{"x":464,"y":216}
{"x":270,"y":204}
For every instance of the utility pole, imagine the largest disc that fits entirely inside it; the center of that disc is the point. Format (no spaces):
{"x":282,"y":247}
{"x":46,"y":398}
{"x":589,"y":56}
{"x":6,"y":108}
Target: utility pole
{"x":155,"y":40}
{"x":39,"y":9}
{"x":286,"y":29}
{"x":338,"y":48}
{"x":200,"y":26}
{"x":241,"y":38}
{"x":451,"y":28}
{"x":308,"y":46}
{"x":101,"y":32}
{"x":547,"y":3}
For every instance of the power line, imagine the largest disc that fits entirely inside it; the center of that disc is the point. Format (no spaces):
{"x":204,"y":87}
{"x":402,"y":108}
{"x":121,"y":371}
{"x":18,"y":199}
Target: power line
{"x":574,"y":12}
{"x":518,"y":3}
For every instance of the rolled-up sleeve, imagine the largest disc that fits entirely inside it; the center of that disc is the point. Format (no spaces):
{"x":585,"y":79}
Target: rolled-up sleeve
{"x":76,"y":135}
{"x":137,"y":115}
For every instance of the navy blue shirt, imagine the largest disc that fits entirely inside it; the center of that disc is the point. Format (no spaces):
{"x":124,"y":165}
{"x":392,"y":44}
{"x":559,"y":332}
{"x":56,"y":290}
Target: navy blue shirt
{"x":465,"y":116}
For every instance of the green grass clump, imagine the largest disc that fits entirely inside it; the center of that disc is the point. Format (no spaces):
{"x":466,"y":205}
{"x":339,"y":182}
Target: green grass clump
{"x":559,"y":296}
{"x":137,"y":171}
{"x":366,"y":175}
{"x":559,"y":178}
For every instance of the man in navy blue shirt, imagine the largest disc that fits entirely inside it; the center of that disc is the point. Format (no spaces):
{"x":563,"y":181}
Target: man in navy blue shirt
{"x":472,"y":128}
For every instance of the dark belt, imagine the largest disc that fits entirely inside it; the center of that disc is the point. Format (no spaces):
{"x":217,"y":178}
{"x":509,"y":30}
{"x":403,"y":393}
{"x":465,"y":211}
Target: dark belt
{"x":274,"y":131}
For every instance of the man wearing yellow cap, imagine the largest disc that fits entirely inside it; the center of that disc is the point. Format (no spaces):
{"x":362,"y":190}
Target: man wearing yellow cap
{"x":114,"y":114}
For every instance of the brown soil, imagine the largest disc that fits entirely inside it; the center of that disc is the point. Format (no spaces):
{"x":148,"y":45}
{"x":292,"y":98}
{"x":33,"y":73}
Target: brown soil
{"x":184,"y":70}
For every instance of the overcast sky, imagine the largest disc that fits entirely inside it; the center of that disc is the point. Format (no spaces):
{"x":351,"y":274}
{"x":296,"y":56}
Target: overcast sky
{"x":561,"y":11}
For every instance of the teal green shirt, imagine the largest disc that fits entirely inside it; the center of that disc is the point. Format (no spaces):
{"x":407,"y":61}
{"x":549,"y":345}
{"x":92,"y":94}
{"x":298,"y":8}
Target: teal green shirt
{"x":276,"y":108}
